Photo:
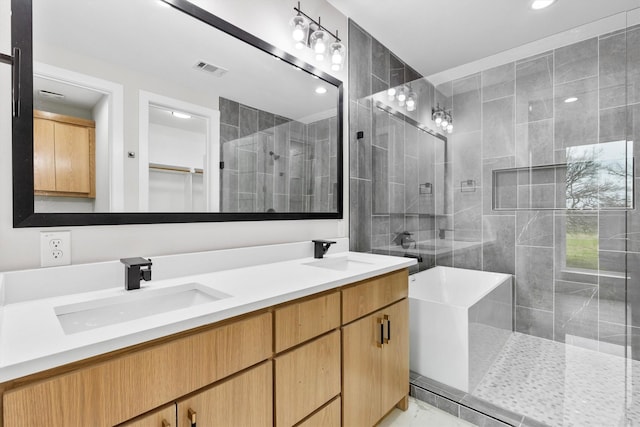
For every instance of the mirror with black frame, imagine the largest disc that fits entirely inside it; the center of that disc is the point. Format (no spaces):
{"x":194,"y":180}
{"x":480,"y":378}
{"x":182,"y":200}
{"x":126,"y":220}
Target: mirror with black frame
{"x":158,"y":111}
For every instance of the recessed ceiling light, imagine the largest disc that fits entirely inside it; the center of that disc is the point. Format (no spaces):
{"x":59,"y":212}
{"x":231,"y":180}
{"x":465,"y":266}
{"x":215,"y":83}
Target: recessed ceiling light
{"x":541,"y":4}
{"x":321,"y":90}
{"x":570,"y":100}
{"x":180,"y":115}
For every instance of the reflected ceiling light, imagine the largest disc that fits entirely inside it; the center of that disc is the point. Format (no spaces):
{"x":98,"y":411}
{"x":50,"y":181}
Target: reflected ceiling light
{"x":321,"y":90}
{"x":570,"y":100}
{"x":411,"y":101}
{"x":541,"y":4}
{"x":180,"y":115}
{"x":307,"y":32}
{"x":442,"y":119}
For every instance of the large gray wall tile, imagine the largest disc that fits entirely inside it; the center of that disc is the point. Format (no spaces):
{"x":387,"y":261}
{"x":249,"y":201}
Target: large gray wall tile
{"x":534,"y":143}
{"x":498,"y":239}
{"x":576,"y":313}
{"x":534,"y":322}
{"x":498,"y":82}
{"x":576,"y":61}
{"x":534,"y":89}
{"x":612,"y":70}
{"x":534,"y":277}
{"x":498,"y":128}
{"x":466,"y":105}
{"x":576,"y":123}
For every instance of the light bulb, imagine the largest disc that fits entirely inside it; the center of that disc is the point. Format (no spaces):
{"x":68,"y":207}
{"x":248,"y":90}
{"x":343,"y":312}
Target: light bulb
{"x":438,"y":120}
{"x":450,"y":128}
{"x":402,"y":95}
{"x":336,"y":58}
{"x":298,"y":33}
{"x":411,"y":101}
{"x":391,"y":93}
{"x":411,"y":107}
{"x":299,"y":45}
{"x":444,"y":123}
{"x":338,"y":51}
{"x":299,"y":28}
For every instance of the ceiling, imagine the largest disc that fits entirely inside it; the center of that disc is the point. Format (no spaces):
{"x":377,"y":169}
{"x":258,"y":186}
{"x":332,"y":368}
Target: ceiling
{"x":437,"y":35}
{"x":150,"y":44}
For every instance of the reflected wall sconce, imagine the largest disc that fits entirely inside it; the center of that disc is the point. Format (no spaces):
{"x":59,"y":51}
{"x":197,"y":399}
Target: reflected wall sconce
{"x":404,"y":96}
{"x":307,"y":32}
{"x":442,"y":118}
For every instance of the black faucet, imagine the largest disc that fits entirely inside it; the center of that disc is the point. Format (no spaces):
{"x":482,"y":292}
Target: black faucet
{"x":320,"y":247}
{"x":136,"y":269}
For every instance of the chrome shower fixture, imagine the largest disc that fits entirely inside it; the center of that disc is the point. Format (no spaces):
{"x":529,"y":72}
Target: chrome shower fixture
{"x":307,"y":32}
{"x":442,"y":118}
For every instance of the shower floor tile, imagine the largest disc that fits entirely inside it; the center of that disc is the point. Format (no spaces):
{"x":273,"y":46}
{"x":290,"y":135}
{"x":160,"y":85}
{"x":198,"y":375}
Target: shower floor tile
{"x":561,"y":385}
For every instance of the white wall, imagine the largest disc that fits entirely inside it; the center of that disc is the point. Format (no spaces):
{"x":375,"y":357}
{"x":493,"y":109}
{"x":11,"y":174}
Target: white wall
{"x":19,"y":248}
{"x":176,"y":147}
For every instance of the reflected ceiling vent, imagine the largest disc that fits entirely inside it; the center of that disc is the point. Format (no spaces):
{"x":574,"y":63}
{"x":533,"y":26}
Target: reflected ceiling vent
{"x":50,"y":95}
{"x":210,"y":68}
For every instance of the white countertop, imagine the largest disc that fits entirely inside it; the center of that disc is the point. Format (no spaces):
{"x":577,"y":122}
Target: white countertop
{"x":32,"y":339}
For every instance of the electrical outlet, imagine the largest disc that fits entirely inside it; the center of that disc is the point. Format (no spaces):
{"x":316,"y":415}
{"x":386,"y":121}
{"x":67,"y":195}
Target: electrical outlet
{"x":55,"y":248}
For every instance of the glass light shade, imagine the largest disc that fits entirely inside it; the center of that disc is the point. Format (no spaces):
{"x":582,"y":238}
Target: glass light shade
{"x":402,"y":95}
{"x":300,"y":45}
{"x":391,"y":93}
{"x":337,"y":51}
{"x":318,"y":42}
{"x":299,"y":28}
{"x":411,"y":101}
{"x":444,"y":123}
{"x":450,"y":128}
{"x":438,"y":118}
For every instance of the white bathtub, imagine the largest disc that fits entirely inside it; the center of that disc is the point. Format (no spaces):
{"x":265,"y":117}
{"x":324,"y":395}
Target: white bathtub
{"x":459,"y":321}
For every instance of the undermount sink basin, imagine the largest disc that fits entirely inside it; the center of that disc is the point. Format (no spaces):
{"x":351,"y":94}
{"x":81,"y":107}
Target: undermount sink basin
{"x":133,"y":305}
{"x":340,"y":264}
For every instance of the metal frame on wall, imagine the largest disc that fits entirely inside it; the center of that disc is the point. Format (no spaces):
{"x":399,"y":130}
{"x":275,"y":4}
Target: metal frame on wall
{"x":24,"y":214}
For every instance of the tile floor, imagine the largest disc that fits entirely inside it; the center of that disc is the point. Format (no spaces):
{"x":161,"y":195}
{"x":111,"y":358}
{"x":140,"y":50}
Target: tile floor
{"x":421,"y":414}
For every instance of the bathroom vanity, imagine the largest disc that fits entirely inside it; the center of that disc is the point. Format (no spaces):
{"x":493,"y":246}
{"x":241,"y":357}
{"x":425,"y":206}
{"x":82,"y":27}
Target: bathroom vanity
{"x":298,"y":342}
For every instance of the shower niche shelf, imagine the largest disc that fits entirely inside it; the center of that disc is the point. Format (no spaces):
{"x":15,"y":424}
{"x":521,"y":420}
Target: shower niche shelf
{"x":587,"y":185}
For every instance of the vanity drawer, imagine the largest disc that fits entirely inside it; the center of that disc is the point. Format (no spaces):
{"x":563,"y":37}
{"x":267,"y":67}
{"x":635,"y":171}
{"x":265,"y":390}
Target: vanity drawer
{"x":307,"y":378}
{"x":302,"y":321}
{"x":329,"y":416}
{"x":117,"y":390}
{"x":370,"y":295}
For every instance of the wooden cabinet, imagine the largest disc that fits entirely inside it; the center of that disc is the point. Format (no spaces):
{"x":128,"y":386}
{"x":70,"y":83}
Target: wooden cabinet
{"x":336,"y":358}
{"x":307,"y":378}
{"x":243,"y":400}
{"x":124,"y":387}
{"x":376,"y":354}
{"x":63,"y":155}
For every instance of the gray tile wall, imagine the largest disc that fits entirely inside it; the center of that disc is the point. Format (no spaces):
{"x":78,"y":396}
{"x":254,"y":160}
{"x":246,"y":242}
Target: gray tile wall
{"x":387,"y":165}
{"x":300,"y":175}
{"x":514,"y":115}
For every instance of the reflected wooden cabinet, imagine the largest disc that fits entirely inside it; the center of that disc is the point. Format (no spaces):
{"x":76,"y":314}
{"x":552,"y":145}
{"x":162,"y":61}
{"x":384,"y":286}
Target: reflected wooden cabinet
{"x":63,"y":155}
{"x":376,"y":354}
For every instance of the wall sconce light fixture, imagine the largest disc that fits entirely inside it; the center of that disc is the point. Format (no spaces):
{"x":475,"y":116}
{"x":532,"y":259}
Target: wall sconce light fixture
{"x":442,"y":118}
{"x":307,"y":32}
{"x":404,"y":96}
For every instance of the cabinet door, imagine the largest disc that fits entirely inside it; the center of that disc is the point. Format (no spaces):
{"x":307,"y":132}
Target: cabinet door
{"x":244,"y":400}
{"x":395,"y":355}
{"x":72,"y":155}
{"x":362,"y":376}
{"x":44,"y":164}
{"x":375,"y":371}
{"x":165,"y":417}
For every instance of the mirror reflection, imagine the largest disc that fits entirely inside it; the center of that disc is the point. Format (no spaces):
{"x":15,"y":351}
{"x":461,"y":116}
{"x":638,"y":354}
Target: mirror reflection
{"x":154,"y":111}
